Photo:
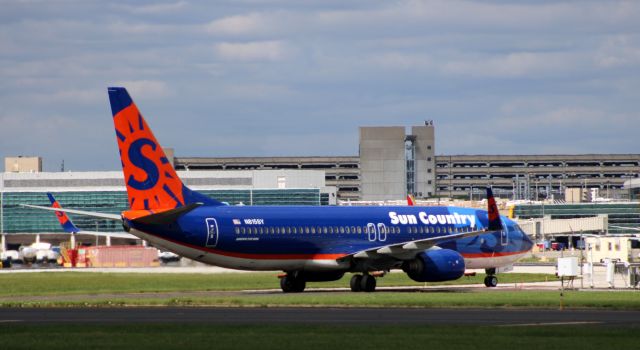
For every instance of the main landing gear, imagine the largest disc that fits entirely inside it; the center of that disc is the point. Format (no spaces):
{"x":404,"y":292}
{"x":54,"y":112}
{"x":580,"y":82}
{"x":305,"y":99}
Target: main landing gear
{"x":363,"y":283}
{"x":491,"y":280}
{"x":292,"y":283}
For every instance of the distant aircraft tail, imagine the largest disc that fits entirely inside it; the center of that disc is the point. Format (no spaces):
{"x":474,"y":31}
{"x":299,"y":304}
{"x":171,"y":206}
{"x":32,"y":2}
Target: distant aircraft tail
{"x":65,"y":222}
{"x":495,"y":224}
{"x":151,"y":181}
{"x":410,"y":200}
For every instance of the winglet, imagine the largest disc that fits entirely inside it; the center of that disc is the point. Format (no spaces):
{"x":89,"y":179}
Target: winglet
{"x":495,"y":224}
{"x":65,"y":222}
{"x":410,"y":200}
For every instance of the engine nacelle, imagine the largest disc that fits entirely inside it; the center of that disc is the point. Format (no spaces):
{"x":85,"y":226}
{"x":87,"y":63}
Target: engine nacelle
{"x":435,"y":266}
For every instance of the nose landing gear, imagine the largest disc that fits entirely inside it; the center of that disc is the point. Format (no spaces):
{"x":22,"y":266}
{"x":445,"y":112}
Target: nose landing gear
{"x":491,"y":280}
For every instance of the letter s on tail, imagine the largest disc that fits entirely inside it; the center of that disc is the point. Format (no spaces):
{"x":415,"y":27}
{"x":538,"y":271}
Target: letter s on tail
{"x":151,"y":181}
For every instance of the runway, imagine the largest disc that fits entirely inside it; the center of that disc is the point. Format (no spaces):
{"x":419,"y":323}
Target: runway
{"x":329,"y":316}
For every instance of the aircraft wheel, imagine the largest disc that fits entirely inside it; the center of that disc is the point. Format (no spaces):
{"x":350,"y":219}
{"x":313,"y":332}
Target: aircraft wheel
{"x":368,"y":283}
{"x":356,"y":283}
{"x":292,"y":285}
{"x":491,"y":281}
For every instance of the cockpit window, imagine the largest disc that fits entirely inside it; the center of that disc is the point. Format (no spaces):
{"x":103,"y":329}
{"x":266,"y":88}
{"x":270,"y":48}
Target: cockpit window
{"x":513,"y":227}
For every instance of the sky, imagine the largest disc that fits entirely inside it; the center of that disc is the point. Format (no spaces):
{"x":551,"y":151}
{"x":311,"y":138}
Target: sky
{"x":297,"y":78}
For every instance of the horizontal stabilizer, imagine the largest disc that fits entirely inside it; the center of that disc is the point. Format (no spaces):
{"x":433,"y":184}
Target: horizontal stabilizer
{"x":108,"y":216}
{"x":107,"y":234}
{"x":166,"y":217}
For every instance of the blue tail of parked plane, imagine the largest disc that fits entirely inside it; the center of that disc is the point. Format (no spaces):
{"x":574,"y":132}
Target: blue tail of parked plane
{"x":65,"y":222}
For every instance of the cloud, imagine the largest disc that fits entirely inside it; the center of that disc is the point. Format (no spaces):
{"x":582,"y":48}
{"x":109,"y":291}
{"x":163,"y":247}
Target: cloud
{"x":256,"y":91}
{"x":520,"y":74}
{"x":251,"y":23}
{"x":253,"y":51}
{"x":516,"y":64}
{"x":158,"y":8}
{"x":618,"y":51}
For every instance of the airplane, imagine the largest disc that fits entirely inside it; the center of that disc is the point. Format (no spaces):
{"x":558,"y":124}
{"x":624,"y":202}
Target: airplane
{"x":38,"y":252}
{"x":410,"y":200}
{"x":308,"y":243}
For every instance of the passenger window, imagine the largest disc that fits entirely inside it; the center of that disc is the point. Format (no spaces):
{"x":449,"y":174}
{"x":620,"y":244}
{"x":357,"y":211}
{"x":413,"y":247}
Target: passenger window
{"x":242,"y":230}
{"x":346,"y":229}
{"x":272,"y":230}
{"x":450,"y":229}
{"x":313,"y":230}
{"x":255,"y":230}
{"x":353,"y":229}
{"x":237,"y":230}
{"x":438,"y":229}
{"x":306,"y":229}
{"x":324,"y":229}
{"x":289,"y":229}
{"x":294,"y":230}
{"x":359,"y":229}
{"x":341,"y":229}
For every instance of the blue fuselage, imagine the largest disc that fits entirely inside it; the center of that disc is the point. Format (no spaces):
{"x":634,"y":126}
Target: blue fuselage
{"x":304,"y":233}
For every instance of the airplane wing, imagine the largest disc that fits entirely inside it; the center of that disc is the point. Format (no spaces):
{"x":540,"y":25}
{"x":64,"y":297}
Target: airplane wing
{"x":108,"y":216}
{"x":626,"y":228}
{"x":410,"y":247}
{"x":404,"y":249}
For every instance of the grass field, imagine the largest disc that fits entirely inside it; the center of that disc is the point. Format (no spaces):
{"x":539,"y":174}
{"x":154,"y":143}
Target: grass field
{"x":197,"y":336}
{"x":48,"y":283}
{"x":106,"y":289}
{"x":502,"y":299}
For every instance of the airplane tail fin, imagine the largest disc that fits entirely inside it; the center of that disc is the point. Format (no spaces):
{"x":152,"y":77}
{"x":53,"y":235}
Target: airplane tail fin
{"x":151,"y":181}
{"x":495,"y":224}
{"x":410,"y":200}
{"x":65,"y":222}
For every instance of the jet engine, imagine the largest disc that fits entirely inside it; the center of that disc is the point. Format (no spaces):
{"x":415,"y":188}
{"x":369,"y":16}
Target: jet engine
{"x":435,"y":266}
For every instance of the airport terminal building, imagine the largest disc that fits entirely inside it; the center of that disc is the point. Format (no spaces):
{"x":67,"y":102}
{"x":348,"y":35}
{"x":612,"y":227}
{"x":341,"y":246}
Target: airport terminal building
{"x":394,"y":161}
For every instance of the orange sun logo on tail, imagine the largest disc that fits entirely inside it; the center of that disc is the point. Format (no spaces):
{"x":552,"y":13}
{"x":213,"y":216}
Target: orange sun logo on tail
{"x":151,"y":181}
